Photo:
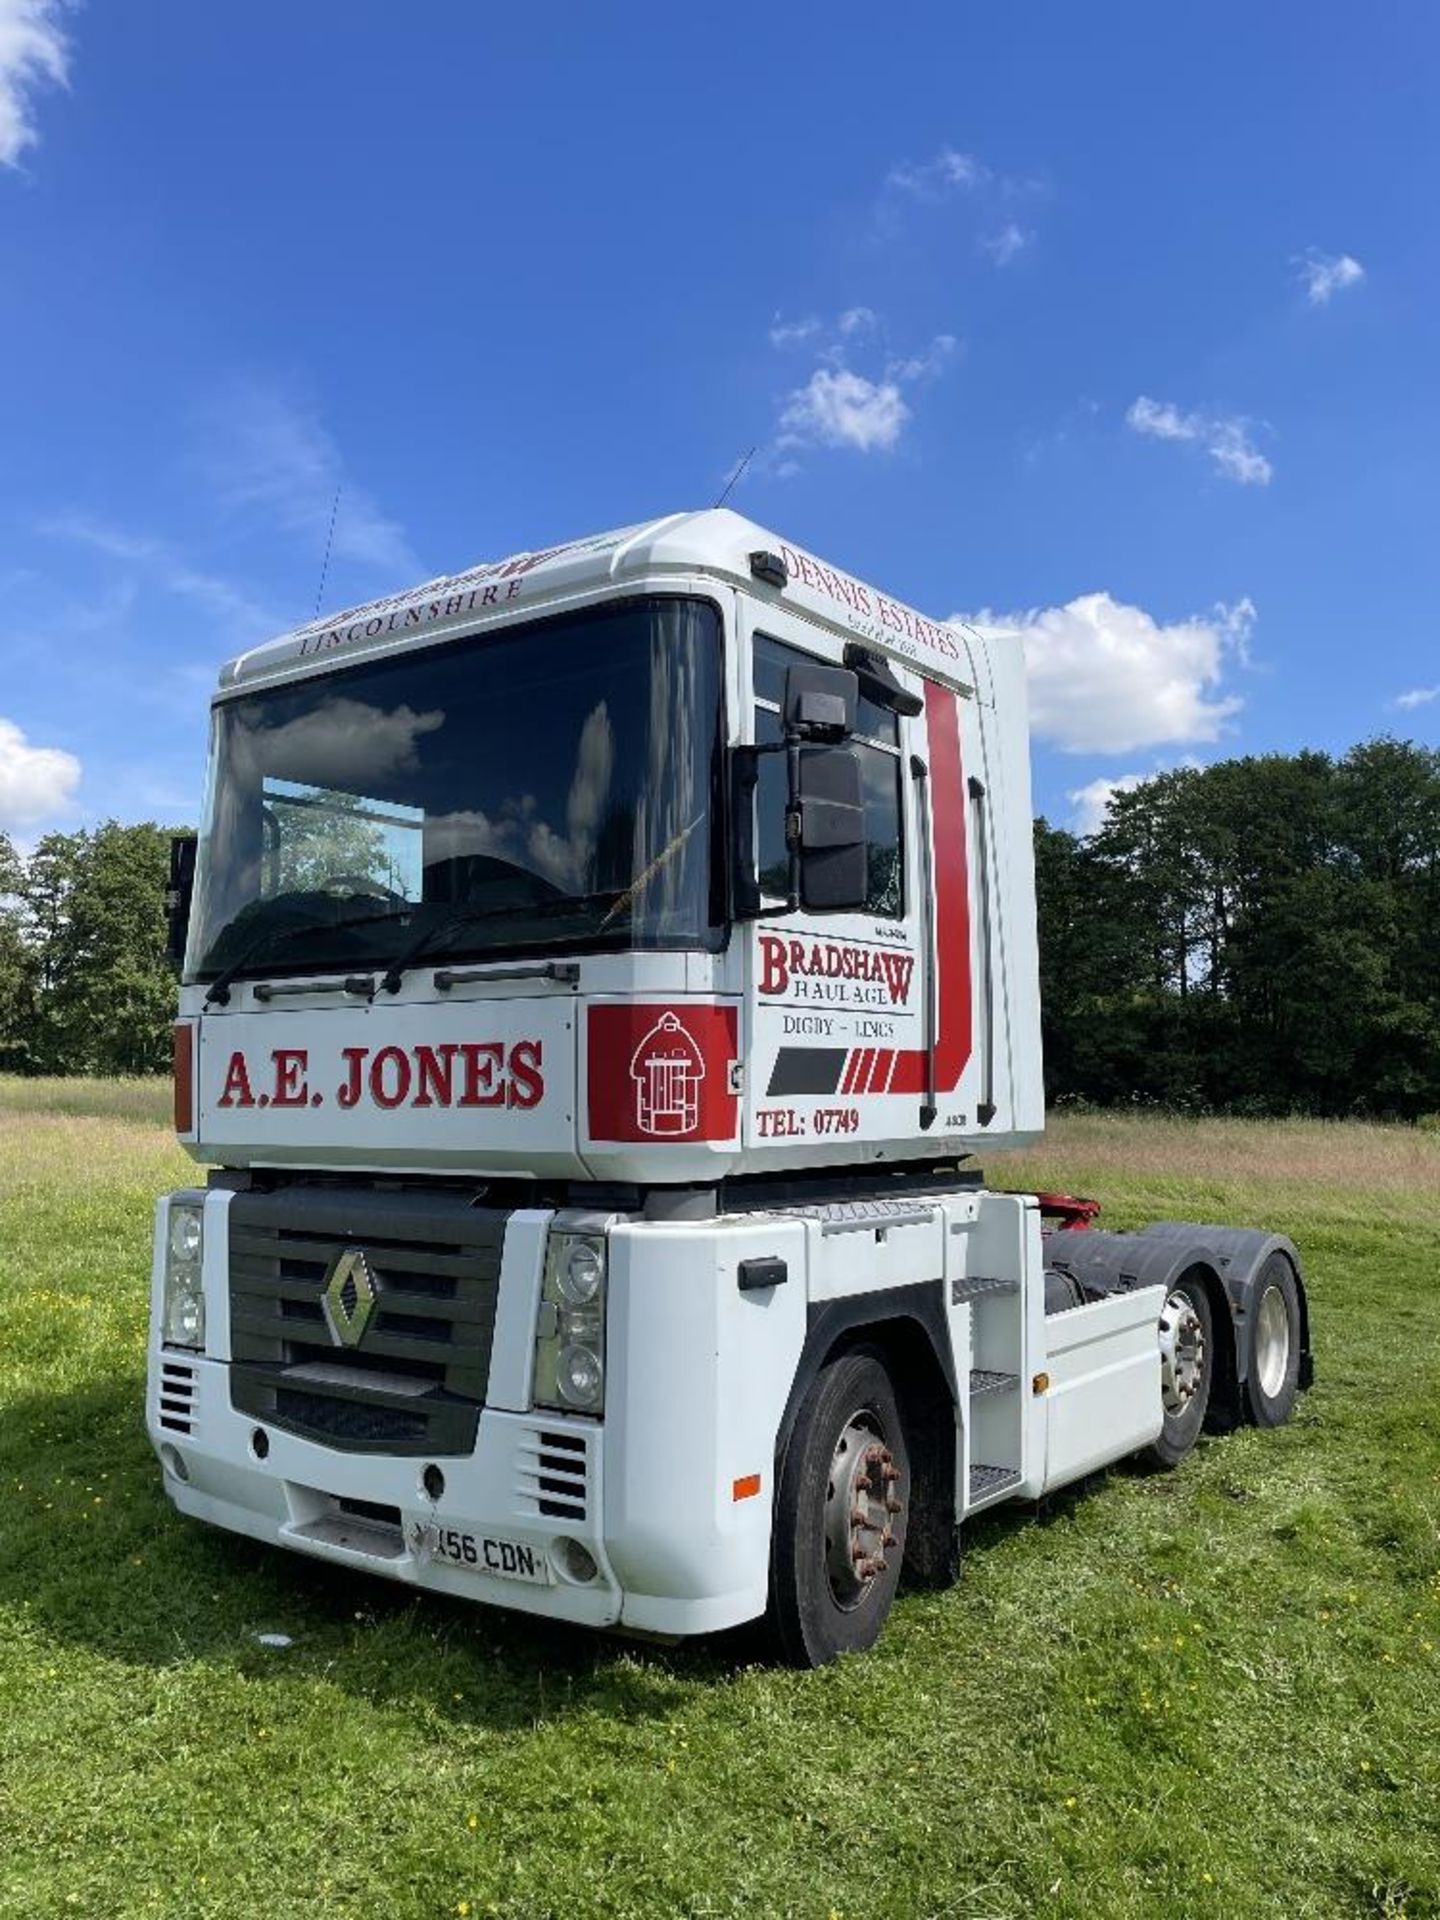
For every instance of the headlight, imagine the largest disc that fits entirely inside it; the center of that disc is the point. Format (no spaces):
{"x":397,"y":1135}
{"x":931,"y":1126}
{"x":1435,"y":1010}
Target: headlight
{"x":185,"y":1233}
{"x":184,"y":1307}
{"x":570,"y":1332}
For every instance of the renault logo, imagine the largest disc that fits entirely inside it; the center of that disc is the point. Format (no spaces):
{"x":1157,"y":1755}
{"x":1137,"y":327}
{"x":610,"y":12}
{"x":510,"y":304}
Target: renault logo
{"x":349,"y":1298}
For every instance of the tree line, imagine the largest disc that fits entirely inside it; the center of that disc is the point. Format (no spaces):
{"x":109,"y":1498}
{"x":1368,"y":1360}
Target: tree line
{"x":1261,"y":935}
{"x":85,"y":986}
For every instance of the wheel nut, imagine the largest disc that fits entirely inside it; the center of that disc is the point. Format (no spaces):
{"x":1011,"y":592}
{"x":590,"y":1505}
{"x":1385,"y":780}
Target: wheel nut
{"x":892,"y":1505}
{"x":862,"y":1483}
{"x":888,"y":1539}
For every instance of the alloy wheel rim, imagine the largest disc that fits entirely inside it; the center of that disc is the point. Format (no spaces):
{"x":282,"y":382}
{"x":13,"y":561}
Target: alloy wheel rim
{"x":863,"y":1504}
{"x":1182,"y":1352}
{"x":1272,"y":1342}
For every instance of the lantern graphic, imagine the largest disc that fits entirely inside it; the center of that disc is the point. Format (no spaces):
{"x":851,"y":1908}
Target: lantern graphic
{"x":667,"y":1068}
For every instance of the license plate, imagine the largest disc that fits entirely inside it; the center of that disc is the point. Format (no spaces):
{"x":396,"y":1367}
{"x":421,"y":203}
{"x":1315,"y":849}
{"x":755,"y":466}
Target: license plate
{"x":488,"y":1553}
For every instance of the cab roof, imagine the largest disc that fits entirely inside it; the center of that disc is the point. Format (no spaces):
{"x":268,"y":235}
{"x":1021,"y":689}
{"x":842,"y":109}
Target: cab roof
{"x":716,"y":542}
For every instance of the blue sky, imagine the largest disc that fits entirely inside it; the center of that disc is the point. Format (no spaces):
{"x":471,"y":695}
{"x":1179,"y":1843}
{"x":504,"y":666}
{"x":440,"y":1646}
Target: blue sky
{"x":1111,"y":327}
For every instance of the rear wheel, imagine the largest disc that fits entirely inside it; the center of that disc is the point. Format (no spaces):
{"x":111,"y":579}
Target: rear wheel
{"x":1272,"y":1377}
{"x":1187,"y":1367}
{"x":840,"y":1514}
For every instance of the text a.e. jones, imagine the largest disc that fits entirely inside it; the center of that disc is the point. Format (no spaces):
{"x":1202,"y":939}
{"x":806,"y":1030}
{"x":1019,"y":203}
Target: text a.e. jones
{"x":466,"y":1073}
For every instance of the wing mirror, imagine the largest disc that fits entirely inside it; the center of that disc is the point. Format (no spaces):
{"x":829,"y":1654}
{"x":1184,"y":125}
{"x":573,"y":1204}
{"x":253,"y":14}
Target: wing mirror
{"x":827,"y":822}
{"x":178,"y":895}
{"x":825,"y":808}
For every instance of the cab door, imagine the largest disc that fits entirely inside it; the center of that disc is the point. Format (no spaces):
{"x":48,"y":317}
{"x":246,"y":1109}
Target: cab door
{"x":867,"y":1027}
{"x":837,"y":997}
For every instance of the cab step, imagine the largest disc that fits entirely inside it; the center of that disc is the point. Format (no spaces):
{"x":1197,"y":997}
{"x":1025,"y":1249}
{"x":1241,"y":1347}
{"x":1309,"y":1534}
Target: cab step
{"x":979,"y":1286}
{"x":987,"y":1483}
{"x":986,"y":1380}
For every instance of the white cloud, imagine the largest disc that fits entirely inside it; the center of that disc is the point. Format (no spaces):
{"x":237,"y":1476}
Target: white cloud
{"x":858,"y":320}
{"x":925,"y":364}
{"x":169,"y":570}
{"x":841,"y":407}
{"x":34,"y":53}
{"x":1417,"y":697}
{"x":340,"y":743}
{"x":844,"y":409}
{"x":793,"y":333}
{"x":1091,"y":803}
{"x":34,"y":781}
{"x":272,"y":457}
{"x":1003,"y":246}
{"x":1326,"y":274}
{"x":1105,"y":677}
{"x":1225,"y":437}
{"x":948,"y":172}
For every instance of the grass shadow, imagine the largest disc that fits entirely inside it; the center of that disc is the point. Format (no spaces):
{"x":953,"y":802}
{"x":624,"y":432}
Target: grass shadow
{"x":97,"y":1558}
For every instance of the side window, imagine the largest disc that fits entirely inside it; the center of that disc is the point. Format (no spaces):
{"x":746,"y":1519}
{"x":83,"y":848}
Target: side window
{"x":878,"y":741}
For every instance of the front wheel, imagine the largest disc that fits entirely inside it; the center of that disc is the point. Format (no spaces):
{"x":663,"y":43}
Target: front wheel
{"x":1187,"y":1367}
{"x":840,"y":1515}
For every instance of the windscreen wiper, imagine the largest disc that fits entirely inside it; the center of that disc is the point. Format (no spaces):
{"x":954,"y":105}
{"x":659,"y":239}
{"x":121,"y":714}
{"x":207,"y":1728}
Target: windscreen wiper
{"x":218,"y":992}
{"x":473,"y":916}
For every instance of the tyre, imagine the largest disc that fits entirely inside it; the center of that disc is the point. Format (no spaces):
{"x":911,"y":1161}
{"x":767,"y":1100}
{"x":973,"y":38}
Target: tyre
{"x":1187,"y":1368}
{"x":1272,"y":1374}
{"x":840,"y":1513}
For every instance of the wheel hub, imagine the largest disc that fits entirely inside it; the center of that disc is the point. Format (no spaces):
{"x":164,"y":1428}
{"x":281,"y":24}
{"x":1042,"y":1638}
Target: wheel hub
{"x":863,"y":1506}
{"x":1182,"y":1352}
{"x":1272,"y":1342}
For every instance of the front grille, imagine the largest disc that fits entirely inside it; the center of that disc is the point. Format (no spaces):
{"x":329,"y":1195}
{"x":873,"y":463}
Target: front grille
{"x":554,"y":1472}
{"x":177,"y":1396}
{"x":345,"y":1420}
{"x":415,"y":1379}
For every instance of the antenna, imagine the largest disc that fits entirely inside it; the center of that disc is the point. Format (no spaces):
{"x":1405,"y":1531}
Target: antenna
{"x":329,"y":539}
{"x":739,"y":469}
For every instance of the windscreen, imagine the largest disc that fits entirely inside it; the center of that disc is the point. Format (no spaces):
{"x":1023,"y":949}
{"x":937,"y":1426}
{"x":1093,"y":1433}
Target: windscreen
{"x":555,"y":785}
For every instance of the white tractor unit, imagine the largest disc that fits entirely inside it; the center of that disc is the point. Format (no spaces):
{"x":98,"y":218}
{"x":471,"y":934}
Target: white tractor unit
{"x":600,"y":969}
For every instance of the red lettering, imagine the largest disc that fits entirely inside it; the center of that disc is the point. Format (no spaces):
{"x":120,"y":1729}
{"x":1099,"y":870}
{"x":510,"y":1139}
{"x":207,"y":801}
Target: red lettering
{"x":290,"y":1087}
{"x":776,"y":976}
{"x":436,"y":1066}
{"x":354,"y":1058}
{"x":236,"y":1091}
{"x":385,"y":1059}
{"x":487,"y":598}
{"x":527,"y":1086}
{"x":898,"y":969}
{"x":481,"y":1060}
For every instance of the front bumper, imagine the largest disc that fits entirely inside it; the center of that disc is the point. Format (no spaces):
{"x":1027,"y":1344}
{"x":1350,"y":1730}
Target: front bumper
{"x":294,"y":1496}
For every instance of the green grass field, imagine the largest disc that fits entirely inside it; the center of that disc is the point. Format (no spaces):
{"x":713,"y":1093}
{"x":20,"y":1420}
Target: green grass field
{"x":1210,"y":1693}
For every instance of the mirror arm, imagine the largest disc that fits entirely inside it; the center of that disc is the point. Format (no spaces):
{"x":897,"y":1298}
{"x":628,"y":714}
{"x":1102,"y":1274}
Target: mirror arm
{"x":744,"y":886}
